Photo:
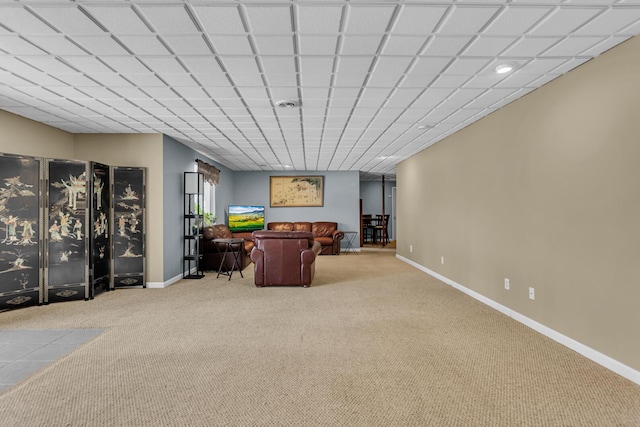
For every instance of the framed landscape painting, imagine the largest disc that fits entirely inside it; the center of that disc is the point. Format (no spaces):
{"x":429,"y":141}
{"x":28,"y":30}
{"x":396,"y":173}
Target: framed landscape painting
{"x":297,"y":191}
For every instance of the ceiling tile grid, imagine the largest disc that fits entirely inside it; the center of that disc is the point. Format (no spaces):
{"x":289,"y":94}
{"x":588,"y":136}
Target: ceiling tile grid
{"x":368,"y":82}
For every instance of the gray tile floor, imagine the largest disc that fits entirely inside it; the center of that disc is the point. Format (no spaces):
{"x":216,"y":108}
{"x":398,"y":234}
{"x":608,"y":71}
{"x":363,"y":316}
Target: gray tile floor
{"x":23,"y":352}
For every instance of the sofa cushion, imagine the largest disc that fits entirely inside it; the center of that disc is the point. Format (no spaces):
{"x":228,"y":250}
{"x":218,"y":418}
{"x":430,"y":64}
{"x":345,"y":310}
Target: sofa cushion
{"x":302,"y":226}
{"x":281,"y":226}
{"x":324,"y":229}
{"x":218,"y":231}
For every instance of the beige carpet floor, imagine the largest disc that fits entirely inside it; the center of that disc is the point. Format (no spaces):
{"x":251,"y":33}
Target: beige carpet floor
{"x":374,"y":342}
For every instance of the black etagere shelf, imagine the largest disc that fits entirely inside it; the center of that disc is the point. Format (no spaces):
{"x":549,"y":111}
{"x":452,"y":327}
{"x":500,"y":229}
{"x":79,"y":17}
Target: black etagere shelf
{"x":193,"y":205}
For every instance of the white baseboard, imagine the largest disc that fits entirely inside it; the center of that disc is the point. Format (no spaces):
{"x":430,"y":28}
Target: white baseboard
{"x":161,"y":285}
{"x":594,"y":355}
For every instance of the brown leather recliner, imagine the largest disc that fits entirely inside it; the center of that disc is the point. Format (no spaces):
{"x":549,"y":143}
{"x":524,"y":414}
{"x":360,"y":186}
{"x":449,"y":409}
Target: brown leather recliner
{"x":284,"y":258}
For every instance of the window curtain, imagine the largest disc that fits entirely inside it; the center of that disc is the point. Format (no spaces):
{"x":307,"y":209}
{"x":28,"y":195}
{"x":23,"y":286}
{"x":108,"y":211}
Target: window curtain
{"x":211,"y":173}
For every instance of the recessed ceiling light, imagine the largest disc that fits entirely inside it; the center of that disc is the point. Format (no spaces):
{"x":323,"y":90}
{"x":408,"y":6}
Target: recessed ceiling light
{"x":504,"y":68}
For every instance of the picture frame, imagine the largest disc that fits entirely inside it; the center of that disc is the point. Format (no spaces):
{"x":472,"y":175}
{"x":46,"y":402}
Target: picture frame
{"x":296,"y":191}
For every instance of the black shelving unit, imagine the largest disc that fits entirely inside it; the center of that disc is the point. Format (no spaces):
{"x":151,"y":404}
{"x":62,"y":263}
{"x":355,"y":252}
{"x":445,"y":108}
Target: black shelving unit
{"x":191,"y":247}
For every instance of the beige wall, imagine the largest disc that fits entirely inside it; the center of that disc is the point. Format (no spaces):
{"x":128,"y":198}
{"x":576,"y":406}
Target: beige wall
{"x":545,"y":192}
{"x":27,"y":137}
{"x":135,"y":150}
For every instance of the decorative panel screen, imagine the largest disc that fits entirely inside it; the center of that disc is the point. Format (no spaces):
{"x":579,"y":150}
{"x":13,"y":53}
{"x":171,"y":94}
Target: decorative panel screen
{"x":128,"y":265}
{"x":100,"y":268}
{"x":20,"y":233}
{"x":67,"y":267}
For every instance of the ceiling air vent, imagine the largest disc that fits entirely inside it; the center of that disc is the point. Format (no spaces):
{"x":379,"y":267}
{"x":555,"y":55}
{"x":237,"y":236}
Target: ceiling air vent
{"x":287,"y":104}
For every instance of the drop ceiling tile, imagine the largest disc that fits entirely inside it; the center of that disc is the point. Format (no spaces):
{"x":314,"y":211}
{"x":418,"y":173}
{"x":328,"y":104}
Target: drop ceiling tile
{"x":278,"y":65}
{"x":86,"y":64}
{"x":48,"y":64}
{"x":604,"y":46}
{"x":542,"y":65}
{"x":432,"y":97}
{"x":274,"y":45}
{"x":68,"y":19}
{"x":110,"y":80}
{"x":466,"y":20}
{"x":130,"y":92}
{"x":484,"y":80}
{"x":316,"y":66}
{"x":487,"y":46}
{"x":516,"y":21}
{"x":272,"y":19}
{"x":202,"y":65}
{"x":349,"y":79}
{"x":354,"y":65}
{"x":75,"y":79}
{"x":317,"y":45}
{"x":169,"y":19}
{"x":178,"y":80}
{"x":187,"y":45}
{"x":15,"y":45}
{"x":360,"y":45}
{"x":418,"y":19}
{"x":424,"y":71}
{"x":403,"y":45}
{"x":563,"y":21}
{"x":445,"y":46}
{"x":467,"y":66}
{"x":144,"y":45}
{"x":244,"y":70}
{"x":56,"y":45}
{"x":222,"y":92}
{"x":388,"y":70}
{"x":569,"y":65}
{"x":321,"y":94}
{"x":530,"y":46}
{"x":461,"y":97}
{"x":232,"y":45}
{"x":12,"y":80}
{"x":368,"y":20}
{"x":19,"y":19}
{"x":118,"y":19}
{"x":100,"y":45}
{"x":164,"y":64}
{"x":611,"y":21}
{"x":316,"y":19}
{"x":220,"y":19}
{"x":403,"y":97}
{"x":573,"y":46}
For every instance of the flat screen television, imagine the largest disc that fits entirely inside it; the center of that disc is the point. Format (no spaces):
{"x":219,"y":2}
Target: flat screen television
{"x":245,"y":218}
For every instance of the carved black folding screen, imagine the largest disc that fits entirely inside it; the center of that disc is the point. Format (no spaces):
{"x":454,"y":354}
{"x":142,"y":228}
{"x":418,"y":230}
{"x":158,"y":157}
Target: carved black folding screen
{"x":100,"y":232}
{"x":66,"y":243}
{"x":128,"y":241}
{"x":20,"y":233}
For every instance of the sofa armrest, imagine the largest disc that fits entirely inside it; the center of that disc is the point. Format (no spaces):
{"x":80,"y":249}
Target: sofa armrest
{"x":257,"y":256}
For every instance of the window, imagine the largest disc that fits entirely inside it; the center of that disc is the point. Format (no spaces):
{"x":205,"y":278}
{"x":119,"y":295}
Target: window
{"x":209,"y":190}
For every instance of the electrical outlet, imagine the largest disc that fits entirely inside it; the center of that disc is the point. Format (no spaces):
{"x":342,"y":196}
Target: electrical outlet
{"x":532,"y":293}
{"x":410,"y":248}
{"x":507,"y":285}
{"x":441,"y":260}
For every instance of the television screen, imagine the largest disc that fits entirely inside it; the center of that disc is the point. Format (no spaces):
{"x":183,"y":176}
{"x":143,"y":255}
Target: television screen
{"x":246,"y":218}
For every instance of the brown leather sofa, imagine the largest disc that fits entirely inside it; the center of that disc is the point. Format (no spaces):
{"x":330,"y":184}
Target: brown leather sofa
{"x":325,"y":232}
{"x":284,"y":258}
{"x":212,"y":252}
